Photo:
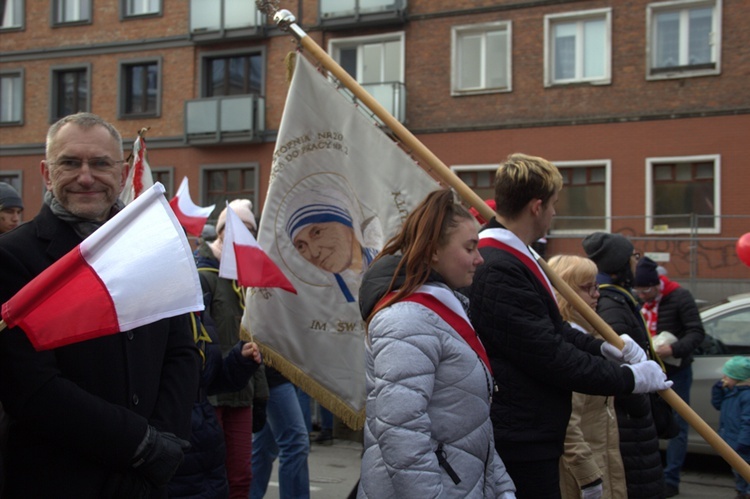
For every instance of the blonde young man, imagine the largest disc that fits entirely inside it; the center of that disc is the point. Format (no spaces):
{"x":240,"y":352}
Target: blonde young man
{"x":537,"y":359}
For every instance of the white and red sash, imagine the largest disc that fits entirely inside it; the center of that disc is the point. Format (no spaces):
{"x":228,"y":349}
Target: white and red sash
{"x":444,"y":303}
{"x":505,"y":240}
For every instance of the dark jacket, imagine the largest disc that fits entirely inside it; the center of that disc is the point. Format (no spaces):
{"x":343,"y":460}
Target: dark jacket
{"x":203,"y":472}
{"x":225,"y":304}
{"x":639,"y":443}
{"x":79,"y":412}
{"x":537,"y":359}
{"x":679,"y":315}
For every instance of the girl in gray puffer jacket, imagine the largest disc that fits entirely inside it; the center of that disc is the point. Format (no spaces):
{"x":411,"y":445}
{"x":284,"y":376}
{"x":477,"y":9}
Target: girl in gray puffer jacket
{"x":428,"y":431}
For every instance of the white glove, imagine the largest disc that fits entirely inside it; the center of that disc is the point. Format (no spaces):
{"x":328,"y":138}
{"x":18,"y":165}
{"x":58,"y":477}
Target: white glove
{"x":631,"y":353}
{"x":649,"y":377}
{"x":594,"y":492}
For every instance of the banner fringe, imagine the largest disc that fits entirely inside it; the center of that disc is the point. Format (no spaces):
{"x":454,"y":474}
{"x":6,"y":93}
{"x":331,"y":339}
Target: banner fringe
{"x":354,"y":420}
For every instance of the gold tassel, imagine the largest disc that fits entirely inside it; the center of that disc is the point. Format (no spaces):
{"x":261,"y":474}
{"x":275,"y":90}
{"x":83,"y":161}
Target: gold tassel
{"x":354,"y":420}
{"x":289,"y":61}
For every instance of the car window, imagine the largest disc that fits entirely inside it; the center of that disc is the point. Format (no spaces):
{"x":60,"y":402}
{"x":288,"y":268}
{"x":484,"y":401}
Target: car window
{"x":727,"y":334}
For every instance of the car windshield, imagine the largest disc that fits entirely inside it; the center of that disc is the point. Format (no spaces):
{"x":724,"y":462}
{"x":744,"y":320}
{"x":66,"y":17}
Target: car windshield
{"x":727,"y":329}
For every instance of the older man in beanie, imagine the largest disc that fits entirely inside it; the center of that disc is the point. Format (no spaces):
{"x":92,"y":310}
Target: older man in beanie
{"x":669,"y":308}
{"x":538,"y":359}
{"x":11,"y":207}
{"x":616,"y":259}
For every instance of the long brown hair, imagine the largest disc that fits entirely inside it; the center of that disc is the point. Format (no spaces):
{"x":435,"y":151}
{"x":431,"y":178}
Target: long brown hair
{"x":426,"y":229}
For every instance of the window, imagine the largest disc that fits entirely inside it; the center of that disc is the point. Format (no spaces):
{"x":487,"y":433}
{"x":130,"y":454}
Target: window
{"x":216,"y":15}
{"x":479,"y":178}
{"x":72,"y":11}
{"x":684,"y":39}
{"x":584,"y":204}
{"x":578,"y":47}
{"x":11,"y":98}
{"x":233,"y":75}
{"x":70,"y":91}
{"x":140,"y":89}
{"x":481,"y":58}
{"x":377,"y":63}
{"x":13,"y":178}
{"x":683,"y":194}
{"x":141,"y":7}
{"x":165,"y":176}
{"x":223,"y":184}
{"x":339,"y":8}
{"x":11,"y":14}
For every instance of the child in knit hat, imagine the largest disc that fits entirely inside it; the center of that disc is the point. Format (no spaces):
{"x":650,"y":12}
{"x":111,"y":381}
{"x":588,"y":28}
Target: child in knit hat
{"x":731,"y":396}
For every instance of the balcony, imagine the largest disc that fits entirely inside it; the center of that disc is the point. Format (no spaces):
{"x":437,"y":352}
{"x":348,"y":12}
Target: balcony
{"x":391,"y":95}
{"x":217,"y":20}
{"x":222,"y":120}
{"x":344,"y":14}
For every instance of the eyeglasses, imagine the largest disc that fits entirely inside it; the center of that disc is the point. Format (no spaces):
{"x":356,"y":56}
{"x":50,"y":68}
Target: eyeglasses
{"x":591,"y":289}
{"x":94,"y":163}
{"x":636,"y":255}
{"x":643,"y":291}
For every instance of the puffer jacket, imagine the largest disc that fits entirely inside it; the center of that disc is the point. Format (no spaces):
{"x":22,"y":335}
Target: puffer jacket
{"x":427,"y":390}
{"x":639,"y":443}
{"x":734,"y":420}
{"x":538,"y":360}
{"x":679,"y":315}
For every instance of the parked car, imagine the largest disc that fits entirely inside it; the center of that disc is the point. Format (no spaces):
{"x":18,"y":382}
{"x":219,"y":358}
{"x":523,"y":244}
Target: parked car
{"x":727,"y":325}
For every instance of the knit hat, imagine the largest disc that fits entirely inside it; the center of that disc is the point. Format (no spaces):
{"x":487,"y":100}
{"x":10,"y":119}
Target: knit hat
{"x":9,"y":197}
{"x":645,"y":273}
{"x":610,"y":252}
{"x":738,"y":368}
{"x":243,"y":208}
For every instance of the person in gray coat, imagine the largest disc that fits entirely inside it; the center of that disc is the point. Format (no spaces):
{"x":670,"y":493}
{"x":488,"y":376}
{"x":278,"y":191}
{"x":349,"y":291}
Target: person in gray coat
{"x":428,"y":431}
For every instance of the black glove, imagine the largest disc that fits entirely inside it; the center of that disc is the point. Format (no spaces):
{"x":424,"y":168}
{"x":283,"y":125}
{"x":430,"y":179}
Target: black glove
{"x":259,"y":414}
{"x":158,"y":456}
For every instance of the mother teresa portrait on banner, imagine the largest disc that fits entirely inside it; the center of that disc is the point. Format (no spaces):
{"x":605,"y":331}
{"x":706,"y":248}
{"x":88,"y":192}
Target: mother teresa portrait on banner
{"x":326,"y":225}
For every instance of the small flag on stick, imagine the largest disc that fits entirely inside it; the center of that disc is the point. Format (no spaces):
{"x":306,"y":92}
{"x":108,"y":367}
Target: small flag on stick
{"x":191,"y":216}
{"x":244,"y":260}
{"x":115,"y":280}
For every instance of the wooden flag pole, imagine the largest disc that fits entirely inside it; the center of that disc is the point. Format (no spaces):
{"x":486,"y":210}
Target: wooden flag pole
{"x":286,"y":20}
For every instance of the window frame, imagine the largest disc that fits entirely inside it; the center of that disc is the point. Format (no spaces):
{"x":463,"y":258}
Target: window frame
{"x":684,"y":71}
{"x":206,"y":56}
{"x":122,"y":88}
{"x":596,"y":163}
{"x":550,"y":20}
{"x":125,"y":15}
{"x":55,"y":13}
{"x":54,"y":101}
{"x":206,"y":170}
{"x":169,"y":172}
{"x":457,"y":36}
{"x":336,"y":44}
{"x":20,"y":74}
{"x":659,"y":160}
{"x":20,"y":5}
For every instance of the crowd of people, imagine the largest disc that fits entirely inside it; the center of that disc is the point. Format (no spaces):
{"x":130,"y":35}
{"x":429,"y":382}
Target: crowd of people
{"x":482,"y":380}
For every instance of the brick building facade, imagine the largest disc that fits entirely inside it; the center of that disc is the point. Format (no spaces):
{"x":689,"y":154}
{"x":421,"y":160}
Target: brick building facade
{"x":643,"y":105}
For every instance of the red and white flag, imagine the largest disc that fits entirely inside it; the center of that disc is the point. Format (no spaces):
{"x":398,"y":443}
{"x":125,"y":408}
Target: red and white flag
{"x":115,"y":280}
{"x":243,"y":260}
{"x":139,"y":177}
{"x":191,"y":216}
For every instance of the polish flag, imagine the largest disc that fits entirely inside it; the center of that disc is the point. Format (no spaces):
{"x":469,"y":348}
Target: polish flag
{"x":136,"y":269}
{"x":191,"y":216}
{"x":139,"y":177}
{"x":244,"y":260}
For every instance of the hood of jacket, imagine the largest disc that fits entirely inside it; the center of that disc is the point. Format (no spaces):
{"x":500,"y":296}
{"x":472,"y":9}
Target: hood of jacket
{"x":378,"y":277}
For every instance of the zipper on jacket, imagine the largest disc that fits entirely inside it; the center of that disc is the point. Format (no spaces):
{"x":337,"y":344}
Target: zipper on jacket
{"x":443,"y":462}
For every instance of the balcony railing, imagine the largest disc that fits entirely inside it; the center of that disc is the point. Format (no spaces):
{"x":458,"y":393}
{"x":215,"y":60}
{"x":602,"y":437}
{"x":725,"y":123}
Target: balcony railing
{"x":346,"y":13}
{"x":214,"y":120}
{"x":212,"y":20}
{"x":391,"y":95}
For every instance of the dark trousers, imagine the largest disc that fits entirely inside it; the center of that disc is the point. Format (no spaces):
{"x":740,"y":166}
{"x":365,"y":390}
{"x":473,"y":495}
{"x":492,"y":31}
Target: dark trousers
{"x":535,"y":479}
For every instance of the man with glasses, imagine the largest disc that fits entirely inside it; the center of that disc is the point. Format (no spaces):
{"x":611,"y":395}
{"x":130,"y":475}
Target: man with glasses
{"x":616,"y":259}
{"x":667,"y":307}
{"x":97,"y":418}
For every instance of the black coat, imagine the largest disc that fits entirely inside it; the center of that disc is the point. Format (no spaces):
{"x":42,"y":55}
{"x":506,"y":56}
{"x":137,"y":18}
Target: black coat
{"x":537,"y":359}
{"x":639,"y":443}
{"x":679,"y":315}
{"x":79,"y":412}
